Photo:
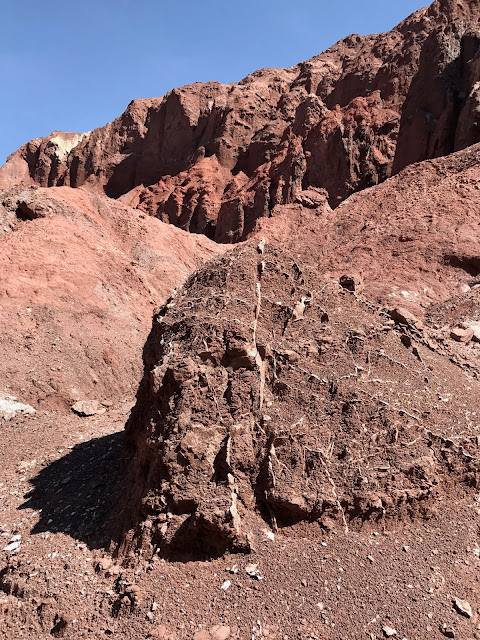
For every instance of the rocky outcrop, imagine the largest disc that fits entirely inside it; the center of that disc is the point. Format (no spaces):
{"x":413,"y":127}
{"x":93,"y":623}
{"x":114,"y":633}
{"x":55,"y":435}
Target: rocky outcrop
{"x":214,"y":158}
{"x":439,"y":113}
{"x":266,"y":390}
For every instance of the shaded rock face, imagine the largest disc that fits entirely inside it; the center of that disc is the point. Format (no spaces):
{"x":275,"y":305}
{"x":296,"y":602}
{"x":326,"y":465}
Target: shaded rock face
{"x":214,"y":158}
{"x":440,"y":111}
{"x":270,"y":394}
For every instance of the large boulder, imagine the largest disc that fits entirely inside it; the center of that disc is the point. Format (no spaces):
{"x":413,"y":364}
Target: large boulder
{"x":271,"y":395}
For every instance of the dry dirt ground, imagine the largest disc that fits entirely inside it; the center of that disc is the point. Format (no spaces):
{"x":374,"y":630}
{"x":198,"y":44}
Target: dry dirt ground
{"x":57,"y":483}
{"x":60,"y":477}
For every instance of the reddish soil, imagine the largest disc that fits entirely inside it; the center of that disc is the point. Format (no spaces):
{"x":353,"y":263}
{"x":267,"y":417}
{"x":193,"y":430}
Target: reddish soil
{"x":79,"y":278}
{"x":301,"y":459}
{"x":412,"y":241}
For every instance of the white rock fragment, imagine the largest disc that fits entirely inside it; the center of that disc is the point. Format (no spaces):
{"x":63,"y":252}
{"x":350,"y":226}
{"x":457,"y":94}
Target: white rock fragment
{"x":62,"y":146}
{"x":10,"y":407}
{"x":475,"y":326}
{"x":12,"y":546}
{"x":463,"y":607}
{"x":261,"y":246}
{"x":253,"y":572}
{"x":389,"y":632}
{"x":226,"y":585}
{"x":299,"y":310}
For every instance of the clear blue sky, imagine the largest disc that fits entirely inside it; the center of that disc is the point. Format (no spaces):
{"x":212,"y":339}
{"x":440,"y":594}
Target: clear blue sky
{"x":75,"y":65}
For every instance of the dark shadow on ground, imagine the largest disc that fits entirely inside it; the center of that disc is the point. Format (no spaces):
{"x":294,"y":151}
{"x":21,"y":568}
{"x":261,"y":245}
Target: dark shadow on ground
{"x":77,"y":493}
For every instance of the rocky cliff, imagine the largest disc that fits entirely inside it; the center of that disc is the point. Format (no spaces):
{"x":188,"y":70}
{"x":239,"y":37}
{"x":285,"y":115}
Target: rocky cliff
{"x":214,"y":158}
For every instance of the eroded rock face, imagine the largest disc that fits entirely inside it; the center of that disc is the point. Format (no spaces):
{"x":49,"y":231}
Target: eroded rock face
{"x":411,"y":241}
{"x":214,"y":158}
{"x":272,"y":395}
{"x":439,"y":113}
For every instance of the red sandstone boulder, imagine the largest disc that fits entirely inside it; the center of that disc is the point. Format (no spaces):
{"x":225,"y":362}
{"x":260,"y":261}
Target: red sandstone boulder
{"x":249,"y":412}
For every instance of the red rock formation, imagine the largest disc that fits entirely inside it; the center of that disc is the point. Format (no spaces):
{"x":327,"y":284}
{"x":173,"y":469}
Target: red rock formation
{"x":412,"y":240}
{"x":214,"y":158}
{"x":264,"y":389}
{"x":438,"y":113}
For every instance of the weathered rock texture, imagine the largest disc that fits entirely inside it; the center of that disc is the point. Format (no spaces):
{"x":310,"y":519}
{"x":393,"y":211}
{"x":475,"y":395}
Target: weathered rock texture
{"x":79,"y":278}
{"x":440,"y":113}
{"x":214,"y":158}
{"x":412,"y":240}
{"x":270,"y":393}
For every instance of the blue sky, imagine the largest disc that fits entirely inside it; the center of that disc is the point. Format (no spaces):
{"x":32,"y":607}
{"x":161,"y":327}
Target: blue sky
{"x":74,"y":66}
